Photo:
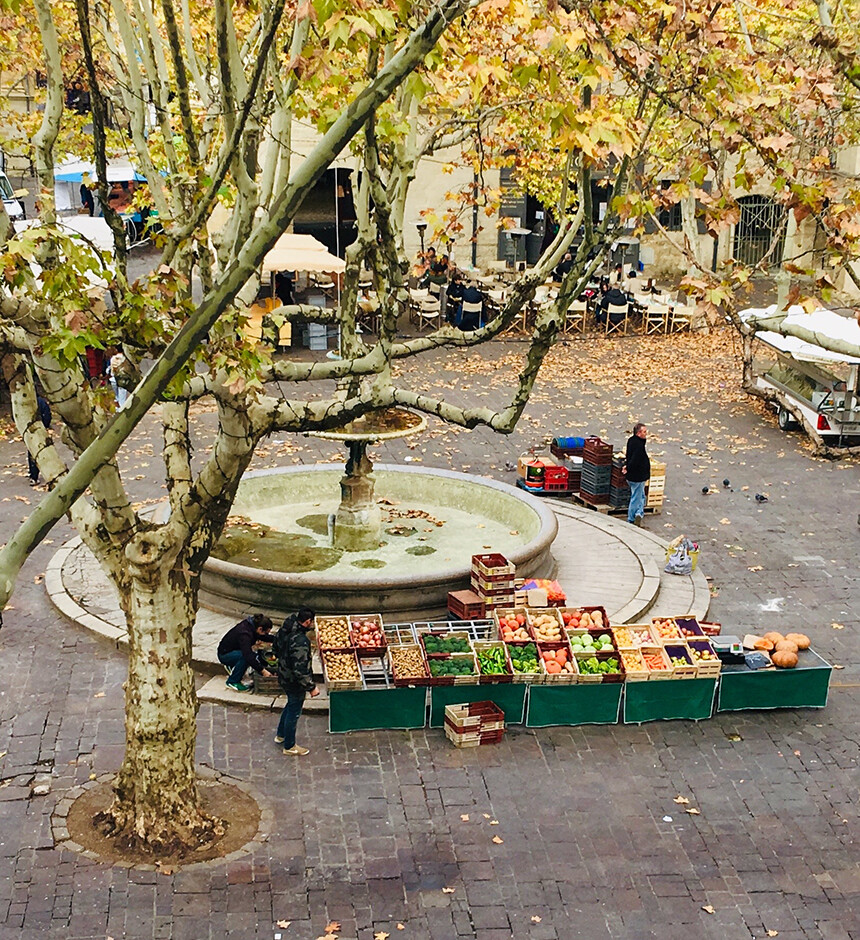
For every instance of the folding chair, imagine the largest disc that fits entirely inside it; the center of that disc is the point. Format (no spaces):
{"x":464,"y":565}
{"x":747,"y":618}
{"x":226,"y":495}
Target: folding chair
{"x":429,"y":314}
{"x":621,"y":313}
{"x":656,"y":318}
{"x":680,"y":319}
{"x":417,"y":296}
{"x":324,"y":283}
{"x":574,"y":317}
{"x":473,"y":312}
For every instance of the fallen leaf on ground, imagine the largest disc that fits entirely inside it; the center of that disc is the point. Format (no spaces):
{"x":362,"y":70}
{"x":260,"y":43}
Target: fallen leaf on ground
{"x":682,"y":800}
{"x":99,"y":695}
{"x":381,"y":935}
{"x":773,"y":933}
{"x":464,"y":817}
{"x":447,"y":891}
{"x":401,"y":927}
{"x":709,"y":908}
{"x":497,"y":840}
{"x":837,"y":667}
{"x":693,"y":811}
{"x":486,"y":815}
{"x":725,"y":521}
{"x":755,"y":568}
{"x":283,"y":924}
{"x":838,"y":626}
{"x":332,"y":927}
{"x":494,"y":822}
{"x":536,"y":919}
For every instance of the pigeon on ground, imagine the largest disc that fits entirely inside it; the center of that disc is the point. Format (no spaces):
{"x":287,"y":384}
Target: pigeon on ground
{"x":509,"y":465}
{"x":706,"y":490}
{"x":727,"y":483}
{"x":760,"y":498}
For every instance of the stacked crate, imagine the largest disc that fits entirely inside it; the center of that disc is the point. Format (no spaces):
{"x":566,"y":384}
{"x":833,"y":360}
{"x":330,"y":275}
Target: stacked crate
{"x":492,"y":577}
{"x":619,"y":491}
{"x":596,"y":477}
{"x":656,"y":486}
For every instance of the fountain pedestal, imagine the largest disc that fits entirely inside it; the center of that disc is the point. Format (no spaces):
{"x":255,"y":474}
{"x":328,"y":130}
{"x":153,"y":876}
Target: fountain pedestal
{"x":358,"y":521}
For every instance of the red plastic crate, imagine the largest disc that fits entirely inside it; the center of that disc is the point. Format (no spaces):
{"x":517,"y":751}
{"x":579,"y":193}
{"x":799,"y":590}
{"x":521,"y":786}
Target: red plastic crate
{"x":554,"y":475}
{"x":465,"y":605}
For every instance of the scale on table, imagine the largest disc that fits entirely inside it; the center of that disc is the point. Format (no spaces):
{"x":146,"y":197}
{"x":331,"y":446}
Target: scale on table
{"x":728,"y":648}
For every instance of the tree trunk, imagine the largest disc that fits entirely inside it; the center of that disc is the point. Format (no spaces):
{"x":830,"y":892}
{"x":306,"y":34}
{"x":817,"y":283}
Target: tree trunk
{"x":157,"y":806}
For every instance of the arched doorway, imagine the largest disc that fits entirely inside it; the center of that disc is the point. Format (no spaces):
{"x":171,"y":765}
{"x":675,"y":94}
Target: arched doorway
{"x":759,"y":226}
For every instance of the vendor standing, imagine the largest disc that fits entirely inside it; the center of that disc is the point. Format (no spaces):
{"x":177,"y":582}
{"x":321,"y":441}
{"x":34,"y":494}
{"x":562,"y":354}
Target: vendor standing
{"x":293,"y":649}
{"x":236,"y":650}
{"x":638,"y":472}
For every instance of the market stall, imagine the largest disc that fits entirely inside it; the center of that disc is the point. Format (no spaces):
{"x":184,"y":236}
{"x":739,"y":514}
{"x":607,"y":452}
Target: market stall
{"x":543,"y":663}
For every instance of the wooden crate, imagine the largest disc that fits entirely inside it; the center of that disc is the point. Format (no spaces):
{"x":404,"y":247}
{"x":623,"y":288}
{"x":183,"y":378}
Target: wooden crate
{"x":341,"y":685}
{"x":493,"y":678}
{"x":679,"y":651}
{"x":660,"y":652}
{"x":707,"y":667}
{"x":635,"y":669}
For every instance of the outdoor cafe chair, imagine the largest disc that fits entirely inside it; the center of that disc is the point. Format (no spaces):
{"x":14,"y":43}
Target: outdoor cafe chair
{"x":429,"y":313}
{"x":574,"y":317}
{"x":621,"y":317}
{"x":657,"y":318}
{"x":681,"y":319}
{"x":471,"y":313}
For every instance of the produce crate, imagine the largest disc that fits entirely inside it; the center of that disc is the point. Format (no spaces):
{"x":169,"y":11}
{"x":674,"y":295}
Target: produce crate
{"x":587,"y":677}
{"x":491,"y":678}
{"x":532,"y":678}
{"x":689,"y":628}
{"x":557,"y":678}
{"x":266,"y":685}
{"x":497,"y":601}
{"x":487,"y":588}
{"x":492,"y":566}
{"x":711,"y":629}
{"x":465,"y":605}
{"x":583,"y":610}
{"x":341,"y":685}
{"x":679,"y":651}
{"x":640,"y":634}
{"x":707,"y":667}
{"x":473,"y":738}
{"x":596,"y":451}
{"x":594,"y":499}
{"x":423,"y":679}
{"x":635,"y":669}
{"x":397,"y":633}
{"x":555,"y":475}
{"x":472,"y":678}
{"x":323,"y":626}
{"x":502,"y":614}
{"x":662,"y":636}
{"x":444,"y":635}
{"x":475,"y":716}
{"x":659,"y":652}
{"x":533,"y":615}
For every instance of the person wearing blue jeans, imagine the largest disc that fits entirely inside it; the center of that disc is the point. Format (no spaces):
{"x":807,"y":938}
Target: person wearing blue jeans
{"x":236,"y":649}
{"x":638,"y":472}
{"x":293,"y":649}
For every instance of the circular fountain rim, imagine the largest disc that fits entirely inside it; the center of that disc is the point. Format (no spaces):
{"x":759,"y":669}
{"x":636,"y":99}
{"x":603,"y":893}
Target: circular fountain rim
{"x":367,"y":581}
{"x":349,"y":436}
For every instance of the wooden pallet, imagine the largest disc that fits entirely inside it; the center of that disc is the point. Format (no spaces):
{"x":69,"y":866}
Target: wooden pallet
{"x":608,"y":510}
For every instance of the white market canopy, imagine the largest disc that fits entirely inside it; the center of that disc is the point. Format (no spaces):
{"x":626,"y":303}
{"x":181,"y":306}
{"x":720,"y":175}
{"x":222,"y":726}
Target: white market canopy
{"x":73,"y":171}
{"x":825,"y":323}
{"x":91,"y":232}
{"x":302,"y":253}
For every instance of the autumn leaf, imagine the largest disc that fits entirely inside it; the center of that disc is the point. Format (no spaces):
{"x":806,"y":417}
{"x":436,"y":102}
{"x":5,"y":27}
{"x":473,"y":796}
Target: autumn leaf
{"x":494,"y":822}
{"x":681,"y":800}
{"x":283,"y":924}
{"x":381,"y":935}
{"x":773,"y":933}
{"x":332,"y":927}
{"x":693,"y":811}
{"x":497,"y":840}
{"x":838,"y":626}
{"x":447,"y":890}
{"x":401,"y":926}
{"x":536,"y":918}
{"x":99,"y":695}
{"x":709,"y":908}
{"x":464,"y":817}
{"x":725,"y":521}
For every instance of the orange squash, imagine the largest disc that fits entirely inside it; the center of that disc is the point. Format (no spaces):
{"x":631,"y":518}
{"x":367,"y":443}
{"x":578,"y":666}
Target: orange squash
{"x":785,"y":659}
{"x":774,"y":637}
{"x":786,"y":646}
{"x":801,"y":639}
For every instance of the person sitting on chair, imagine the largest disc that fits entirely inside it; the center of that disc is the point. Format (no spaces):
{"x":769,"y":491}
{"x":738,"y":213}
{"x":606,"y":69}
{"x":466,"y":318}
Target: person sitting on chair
{"x":455,"y":298}
{"x":471,"y":295}
{"x":614,"y":297}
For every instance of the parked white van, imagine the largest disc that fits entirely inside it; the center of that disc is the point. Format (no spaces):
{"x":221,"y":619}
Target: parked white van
{"x":12,"y":198}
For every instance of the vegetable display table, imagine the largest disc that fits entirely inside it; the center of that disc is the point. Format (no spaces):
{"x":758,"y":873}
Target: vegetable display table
{"x":376,"y":709}
{"x":587,"y":704}
{"x":510,"y":697}
{"x":805,"y":686}
{"x":666,"y":699}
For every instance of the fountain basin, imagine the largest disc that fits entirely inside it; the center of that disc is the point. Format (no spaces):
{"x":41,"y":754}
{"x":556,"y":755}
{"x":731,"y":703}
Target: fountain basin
{"x":475,"y":512}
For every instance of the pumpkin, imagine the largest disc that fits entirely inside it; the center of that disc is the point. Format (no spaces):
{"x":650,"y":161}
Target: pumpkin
{"x":801,"y":639}
{"x":785,"y":659}
{"x":774,"y":637}
{"x":786,"y":646}
{"x":763,"y":644}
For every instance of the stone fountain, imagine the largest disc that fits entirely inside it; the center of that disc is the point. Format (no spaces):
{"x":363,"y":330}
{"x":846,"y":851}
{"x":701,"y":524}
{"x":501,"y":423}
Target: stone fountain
{"x":398,"y":540}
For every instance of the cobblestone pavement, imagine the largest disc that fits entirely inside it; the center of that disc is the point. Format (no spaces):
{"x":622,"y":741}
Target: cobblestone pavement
{"x":370,"y":829}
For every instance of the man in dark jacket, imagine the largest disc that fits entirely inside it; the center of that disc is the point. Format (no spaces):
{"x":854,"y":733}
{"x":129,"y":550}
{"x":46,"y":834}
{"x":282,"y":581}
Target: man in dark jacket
{"x":292,"y":646}
{"x":45,"y":418}
{"x":614,"y":297}
{"x":236,"y":649}
{"x":638,"y":471}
